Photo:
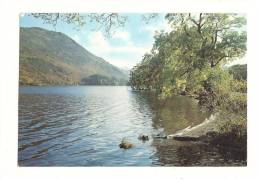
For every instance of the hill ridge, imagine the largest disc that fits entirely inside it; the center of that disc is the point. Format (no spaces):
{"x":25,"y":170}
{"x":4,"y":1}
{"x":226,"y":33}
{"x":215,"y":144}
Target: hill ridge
{"x":53,"y":58}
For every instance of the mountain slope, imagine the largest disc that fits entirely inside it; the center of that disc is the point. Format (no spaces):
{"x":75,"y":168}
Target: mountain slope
{"x":53,"y":58}
{"x":239,"y":71}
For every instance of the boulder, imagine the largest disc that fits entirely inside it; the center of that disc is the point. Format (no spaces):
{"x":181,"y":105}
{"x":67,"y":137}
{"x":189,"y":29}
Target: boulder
{"x":143,"y":137}
{"x":125,"y":144}
{"x":160,"y":135}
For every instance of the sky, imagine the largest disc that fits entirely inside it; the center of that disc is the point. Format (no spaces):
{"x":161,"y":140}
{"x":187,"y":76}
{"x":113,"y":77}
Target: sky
{"x":123,"y":49}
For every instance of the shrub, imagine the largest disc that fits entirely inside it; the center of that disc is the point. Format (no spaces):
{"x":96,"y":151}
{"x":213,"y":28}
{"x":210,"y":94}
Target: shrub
{"x":232,"y":133}
{"x":235,"y":102}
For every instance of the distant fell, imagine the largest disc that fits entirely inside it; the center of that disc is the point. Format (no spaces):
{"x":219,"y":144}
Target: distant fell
{"x":53,"y":58}
{"x":239,"y":71}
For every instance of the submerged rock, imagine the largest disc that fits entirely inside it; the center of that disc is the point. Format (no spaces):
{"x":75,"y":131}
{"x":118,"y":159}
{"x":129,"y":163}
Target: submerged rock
{"x":125,"y":144}
{"x":143,"y":137}
{"x":161,"y":135}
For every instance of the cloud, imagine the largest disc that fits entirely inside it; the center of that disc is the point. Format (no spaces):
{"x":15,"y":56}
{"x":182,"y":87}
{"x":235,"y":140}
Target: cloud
{"x":123,"y":63}
{"x":120,"y":49}
{"x":129,"y":53}
{"x":122,"y":35}
{"x":99,"y":43}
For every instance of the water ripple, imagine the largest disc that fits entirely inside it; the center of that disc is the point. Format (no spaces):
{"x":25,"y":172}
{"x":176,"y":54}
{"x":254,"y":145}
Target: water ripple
{"x":82,"y":126}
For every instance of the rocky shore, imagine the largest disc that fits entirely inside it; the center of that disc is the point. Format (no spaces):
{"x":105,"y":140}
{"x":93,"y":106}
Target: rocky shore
{"x":210,"y":132}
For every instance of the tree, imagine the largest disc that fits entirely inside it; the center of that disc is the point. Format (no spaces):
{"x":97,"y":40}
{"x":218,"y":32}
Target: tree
{"x":186,"y":59}
{"x":106,"y":22}
{"x":180,"y":60}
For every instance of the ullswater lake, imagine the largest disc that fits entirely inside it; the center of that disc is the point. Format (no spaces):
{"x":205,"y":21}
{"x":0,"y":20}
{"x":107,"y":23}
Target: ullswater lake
{"x":83,"y":126}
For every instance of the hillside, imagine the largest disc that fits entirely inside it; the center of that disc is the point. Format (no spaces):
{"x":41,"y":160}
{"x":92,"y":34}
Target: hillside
{"x":239,"y":71}
{"x":53,"y":58}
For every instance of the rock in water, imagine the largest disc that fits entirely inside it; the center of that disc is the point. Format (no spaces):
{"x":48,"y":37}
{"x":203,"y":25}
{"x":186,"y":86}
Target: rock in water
{"x":125,"y":144}
{"x":161,"y":135}
{"x":143,"y":137}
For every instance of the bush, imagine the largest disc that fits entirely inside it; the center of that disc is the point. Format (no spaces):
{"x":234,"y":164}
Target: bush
{"x":222,"y":92}
{"x":216,"y":88}
{"x":235,"y":102}
{"x":232,"y":133}
{"x":239,"y":86}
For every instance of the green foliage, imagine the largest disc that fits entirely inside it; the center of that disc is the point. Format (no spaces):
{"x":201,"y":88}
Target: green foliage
{"x":214,"y":88}
{"x":235,"y":102}
{"x":239,"y":86}
{"x":190,"y":58}
{"x":232,"y":132}
{"x":235,"y":125}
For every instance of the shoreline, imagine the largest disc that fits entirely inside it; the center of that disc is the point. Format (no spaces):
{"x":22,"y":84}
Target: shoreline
{"x":209,"y":132}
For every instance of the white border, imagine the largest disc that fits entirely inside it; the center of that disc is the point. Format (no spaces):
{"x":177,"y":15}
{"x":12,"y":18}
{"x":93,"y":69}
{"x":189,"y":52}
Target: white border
{"x":9,"y":41}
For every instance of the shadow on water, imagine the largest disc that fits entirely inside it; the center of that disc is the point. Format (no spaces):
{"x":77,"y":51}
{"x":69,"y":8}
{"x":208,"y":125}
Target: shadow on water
{"x":178,"y":113}
{"x":197,"y":154}
{"x":172,"y":114}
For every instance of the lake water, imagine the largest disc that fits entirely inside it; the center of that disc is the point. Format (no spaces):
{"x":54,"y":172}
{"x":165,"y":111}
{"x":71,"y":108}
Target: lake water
{"x":83,"y":126}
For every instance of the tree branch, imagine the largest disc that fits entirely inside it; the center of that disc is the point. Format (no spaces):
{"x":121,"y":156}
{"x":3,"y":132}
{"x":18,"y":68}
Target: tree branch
{"x":218,"y":61}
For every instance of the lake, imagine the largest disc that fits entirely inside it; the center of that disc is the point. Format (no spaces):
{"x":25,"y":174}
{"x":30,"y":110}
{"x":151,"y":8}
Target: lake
{"x":83,"y":126}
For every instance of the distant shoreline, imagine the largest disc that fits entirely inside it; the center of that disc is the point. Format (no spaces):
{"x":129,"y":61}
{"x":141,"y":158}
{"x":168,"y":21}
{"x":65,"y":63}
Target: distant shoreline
{"x":21,"y":86}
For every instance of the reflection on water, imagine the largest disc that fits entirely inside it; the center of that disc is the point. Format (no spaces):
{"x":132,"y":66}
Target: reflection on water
{"x":197,"y":154}
{"x":174,"y":114}
{"x":82,"y":126}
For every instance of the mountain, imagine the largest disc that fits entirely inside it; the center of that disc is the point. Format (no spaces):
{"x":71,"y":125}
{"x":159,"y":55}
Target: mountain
{"x":53,"y":58}
{"x":125,"y":70}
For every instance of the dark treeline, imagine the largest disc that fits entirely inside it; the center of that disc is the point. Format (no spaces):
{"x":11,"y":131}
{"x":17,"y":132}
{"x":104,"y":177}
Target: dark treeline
{"x":97,"y":79}
{"x":239,"y":72}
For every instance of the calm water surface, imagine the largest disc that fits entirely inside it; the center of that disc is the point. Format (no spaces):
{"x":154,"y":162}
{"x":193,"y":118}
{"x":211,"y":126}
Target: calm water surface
{"x":82,"y":126}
